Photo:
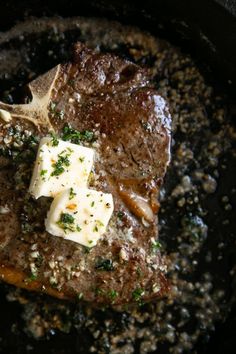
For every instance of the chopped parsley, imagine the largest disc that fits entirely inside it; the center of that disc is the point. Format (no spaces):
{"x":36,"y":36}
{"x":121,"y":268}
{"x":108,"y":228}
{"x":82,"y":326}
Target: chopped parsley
{"x":66,"y":222}
{"x":55,"y":140}
{"x":81,"y":159}
{"x":156,"y":245}
{"x":53,"y":110}
{"x":60,"y":114}
{"x":137,"y":294}
{"x":120,"y":214}
{"x":32,"y":141}
{"x":112,"y":294}
{"x":104,"y":264}
{"x":92,"y":203}
{"x":59,"y":166}
{"x":32,"y":277}
{"x":98,"y":291}
{"x":75,"y":136}
{"x":86,"y":249}
{"x":72,"y":194}
{"x":67,"y":218}
{"x":98,"y":224}
{"x":43,"y":173}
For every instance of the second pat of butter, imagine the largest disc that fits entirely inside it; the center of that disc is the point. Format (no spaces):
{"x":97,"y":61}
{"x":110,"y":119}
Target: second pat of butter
{"x":60,"y":165}
{"x":80,"y":215}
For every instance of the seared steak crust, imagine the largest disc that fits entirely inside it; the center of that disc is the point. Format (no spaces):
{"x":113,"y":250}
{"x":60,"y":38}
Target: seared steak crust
{"x":130,"y":122}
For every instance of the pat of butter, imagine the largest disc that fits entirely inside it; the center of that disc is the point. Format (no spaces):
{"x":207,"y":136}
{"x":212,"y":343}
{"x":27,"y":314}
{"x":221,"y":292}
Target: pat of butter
{"x":60,"y":165}
{"x":80,"y":215}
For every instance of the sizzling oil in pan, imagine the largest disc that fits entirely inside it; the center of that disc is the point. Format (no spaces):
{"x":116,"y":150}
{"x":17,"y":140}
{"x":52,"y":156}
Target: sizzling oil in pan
{"x":197,"y":202}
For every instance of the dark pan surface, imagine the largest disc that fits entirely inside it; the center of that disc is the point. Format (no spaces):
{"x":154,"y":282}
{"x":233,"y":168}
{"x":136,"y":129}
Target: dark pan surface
{"x":197,"y":219}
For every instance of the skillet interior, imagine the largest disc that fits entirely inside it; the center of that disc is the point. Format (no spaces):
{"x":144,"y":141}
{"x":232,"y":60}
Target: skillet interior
{"x":218,"y":233}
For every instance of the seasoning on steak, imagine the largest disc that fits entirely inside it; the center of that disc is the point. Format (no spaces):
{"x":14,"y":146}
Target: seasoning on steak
{"x":107,"y":103}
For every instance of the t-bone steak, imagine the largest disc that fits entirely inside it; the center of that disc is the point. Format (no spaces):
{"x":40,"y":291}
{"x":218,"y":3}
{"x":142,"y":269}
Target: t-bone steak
{"x":118,"y":112}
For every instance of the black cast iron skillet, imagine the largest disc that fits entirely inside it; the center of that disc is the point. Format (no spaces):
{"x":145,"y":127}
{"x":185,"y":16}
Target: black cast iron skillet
{"x":183,"y":22}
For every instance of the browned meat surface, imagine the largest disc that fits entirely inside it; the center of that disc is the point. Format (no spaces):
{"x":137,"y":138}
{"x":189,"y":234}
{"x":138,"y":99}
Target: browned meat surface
{"x":130,"y":125}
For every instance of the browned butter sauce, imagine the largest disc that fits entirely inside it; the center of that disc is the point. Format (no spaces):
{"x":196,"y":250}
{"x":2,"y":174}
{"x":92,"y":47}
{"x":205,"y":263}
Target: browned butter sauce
{"x":197,"y":199}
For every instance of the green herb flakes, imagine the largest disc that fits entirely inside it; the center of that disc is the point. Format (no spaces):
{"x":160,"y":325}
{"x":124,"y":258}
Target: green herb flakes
{"x":155,"y":245}
{"x":54,"y":140}
{"x":137,"y":294}
{"x":60,"y":114}
{"x":32,"y":277}
{"x":86,"y":249}
{"x":43,"y":173}
{"x":72,"y":194}
{"x":57,"y":113}
{"x":66,"y":222}
{"x":99,"y":223}
{"x":104,"y":264}
{"x":120,"y":214}
{"x":67,"y":218}
{"x":112,"y":294}
{"x":75,"y":136}
{"x":62,"y":162}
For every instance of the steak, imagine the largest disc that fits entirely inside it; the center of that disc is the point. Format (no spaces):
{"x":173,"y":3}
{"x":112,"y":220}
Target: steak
{"x":108,"y":103}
